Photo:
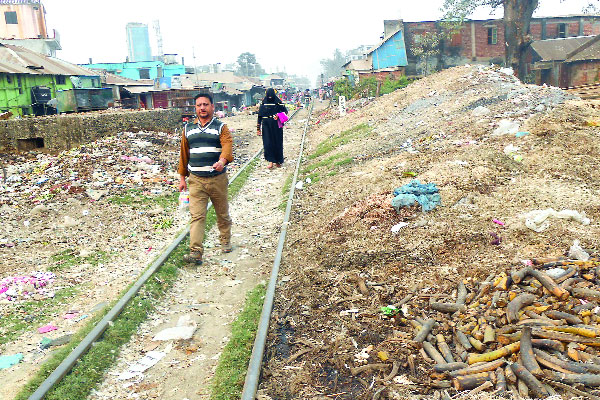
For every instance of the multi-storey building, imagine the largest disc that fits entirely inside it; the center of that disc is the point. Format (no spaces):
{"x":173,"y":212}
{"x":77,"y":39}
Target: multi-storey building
{"x":23,"y":23}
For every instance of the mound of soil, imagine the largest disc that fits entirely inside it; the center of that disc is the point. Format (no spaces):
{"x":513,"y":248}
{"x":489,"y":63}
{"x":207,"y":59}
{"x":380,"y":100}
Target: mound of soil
{"x":446,"y":129}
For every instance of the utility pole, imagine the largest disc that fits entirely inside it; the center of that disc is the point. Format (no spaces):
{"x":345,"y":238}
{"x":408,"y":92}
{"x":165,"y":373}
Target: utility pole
{"x":159,"y":42}
{"x":195,"y":67}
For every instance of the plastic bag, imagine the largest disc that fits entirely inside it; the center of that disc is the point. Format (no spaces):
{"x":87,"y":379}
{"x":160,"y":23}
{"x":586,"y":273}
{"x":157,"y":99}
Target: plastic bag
{"x":184,"y":200}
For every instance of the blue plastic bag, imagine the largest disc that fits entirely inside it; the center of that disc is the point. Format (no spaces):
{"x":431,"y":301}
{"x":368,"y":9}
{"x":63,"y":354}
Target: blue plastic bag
{"x":427,"y":195}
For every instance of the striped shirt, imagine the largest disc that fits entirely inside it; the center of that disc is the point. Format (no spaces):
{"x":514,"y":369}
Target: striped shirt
{"x":202,"y":146}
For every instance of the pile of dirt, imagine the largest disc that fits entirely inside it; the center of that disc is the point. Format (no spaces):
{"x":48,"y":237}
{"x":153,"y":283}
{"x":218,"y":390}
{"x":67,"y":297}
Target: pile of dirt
{"x":496,"y":149}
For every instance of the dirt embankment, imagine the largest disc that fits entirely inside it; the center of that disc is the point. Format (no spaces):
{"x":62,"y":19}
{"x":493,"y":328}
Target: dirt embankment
{"x":456,"y":129}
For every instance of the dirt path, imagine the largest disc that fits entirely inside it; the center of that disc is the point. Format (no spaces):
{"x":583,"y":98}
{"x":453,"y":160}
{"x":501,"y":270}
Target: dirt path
{"x":210,"y":296}
{"x":95,"y":248}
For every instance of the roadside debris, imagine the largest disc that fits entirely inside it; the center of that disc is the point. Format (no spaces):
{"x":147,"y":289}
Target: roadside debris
{"x":523,"y":331}
{"x":9,"y":361}
{"x":184,"y":329}
{"x":427,"y":195}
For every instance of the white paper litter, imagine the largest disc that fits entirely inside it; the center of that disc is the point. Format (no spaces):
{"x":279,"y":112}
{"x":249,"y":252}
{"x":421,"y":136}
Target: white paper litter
{"x":396,"y":228}
{"x":184,"y":330}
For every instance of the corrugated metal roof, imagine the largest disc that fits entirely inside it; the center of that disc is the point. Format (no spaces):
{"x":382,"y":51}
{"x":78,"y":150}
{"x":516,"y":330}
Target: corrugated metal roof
{"x":591,"y":51}
{"x":16,"y":59}
{"x":141,"y":89}
{"x":558,"y":49}
{"x":358,"y":65}
{"x":378,"y":45}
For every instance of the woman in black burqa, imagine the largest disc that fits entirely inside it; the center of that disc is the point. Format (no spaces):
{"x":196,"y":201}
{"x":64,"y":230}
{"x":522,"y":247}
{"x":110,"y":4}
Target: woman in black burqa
{"x":272,"y":134}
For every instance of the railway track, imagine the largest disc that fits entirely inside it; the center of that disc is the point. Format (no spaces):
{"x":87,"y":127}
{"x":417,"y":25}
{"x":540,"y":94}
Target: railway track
{"x":96,"y":333}
{"x":586,"y":92}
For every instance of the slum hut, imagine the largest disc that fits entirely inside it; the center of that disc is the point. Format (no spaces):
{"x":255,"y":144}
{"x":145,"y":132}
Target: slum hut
{"x":30,"y":80}
{"x":567,"y":62}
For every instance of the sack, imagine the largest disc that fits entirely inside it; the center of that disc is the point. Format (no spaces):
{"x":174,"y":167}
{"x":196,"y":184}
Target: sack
{"x":282,"y":118}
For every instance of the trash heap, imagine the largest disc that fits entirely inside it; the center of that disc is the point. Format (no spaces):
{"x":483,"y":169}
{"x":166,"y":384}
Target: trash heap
{"x":35,"y":286}
{"x":528,"y":331}
{"x":107,"y":165}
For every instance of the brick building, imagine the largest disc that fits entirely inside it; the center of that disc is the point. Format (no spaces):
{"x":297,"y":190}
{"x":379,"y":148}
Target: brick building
{"x":482,"y":41}
{"x":567,"y":62}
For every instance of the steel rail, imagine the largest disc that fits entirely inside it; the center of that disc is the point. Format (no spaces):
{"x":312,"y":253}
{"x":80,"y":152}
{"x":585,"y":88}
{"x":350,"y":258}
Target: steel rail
{"x":67,"y":364}
{"x":254,"y":366}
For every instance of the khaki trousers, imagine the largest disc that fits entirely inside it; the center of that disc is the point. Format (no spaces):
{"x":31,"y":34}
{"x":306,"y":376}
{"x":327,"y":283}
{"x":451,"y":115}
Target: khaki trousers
{"x":201,"y":189}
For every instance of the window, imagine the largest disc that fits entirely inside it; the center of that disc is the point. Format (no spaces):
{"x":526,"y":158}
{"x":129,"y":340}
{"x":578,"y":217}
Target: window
{"x":144,"y":73}
{"x":60,"y":79}
{"x":8,"y":79}
{"x":492,"y":35}
{"x":11,"y":17}
{"x":562,"y":30}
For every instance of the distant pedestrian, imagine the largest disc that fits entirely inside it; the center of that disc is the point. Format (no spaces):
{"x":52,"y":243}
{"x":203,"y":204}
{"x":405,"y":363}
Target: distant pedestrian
{"x":267,"y":126}
{"x":206,"y":148}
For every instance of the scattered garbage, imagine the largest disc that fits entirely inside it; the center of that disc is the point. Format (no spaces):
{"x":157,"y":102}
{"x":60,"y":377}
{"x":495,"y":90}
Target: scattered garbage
{"x":35,"y":286}
{"x":531,"y":328}
{"x":47,"y":342}
{"x":513,"y":152}
{"x":149,"y":360}
{"x":427,"y":195}
{"x":9,"y":361}
{"x":396,"y":228}
{"x":537,"y":220}
{"x":506,"y":127}
{"x":47,"y":328}
{"x":184,"y":329}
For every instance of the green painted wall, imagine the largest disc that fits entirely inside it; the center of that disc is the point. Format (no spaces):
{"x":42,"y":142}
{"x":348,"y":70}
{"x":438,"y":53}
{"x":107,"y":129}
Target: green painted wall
{"x":15,"y":89}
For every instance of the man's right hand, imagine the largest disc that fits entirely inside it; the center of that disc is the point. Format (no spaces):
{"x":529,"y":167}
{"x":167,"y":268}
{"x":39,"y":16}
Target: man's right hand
{"x":182,"y":183}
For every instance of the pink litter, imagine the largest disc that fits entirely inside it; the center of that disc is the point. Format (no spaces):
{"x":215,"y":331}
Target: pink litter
{"x":47,"y":328}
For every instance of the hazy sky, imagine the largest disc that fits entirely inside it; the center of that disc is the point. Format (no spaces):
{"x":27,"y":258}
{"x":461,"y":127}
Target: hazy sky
{"x":290,"y":35}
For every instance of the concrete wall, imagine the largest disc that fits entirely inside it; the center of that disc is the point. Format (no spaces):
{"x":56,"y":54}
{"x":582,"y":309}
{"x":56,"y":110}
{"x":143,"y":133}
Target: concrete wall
{"x":62,"y":132}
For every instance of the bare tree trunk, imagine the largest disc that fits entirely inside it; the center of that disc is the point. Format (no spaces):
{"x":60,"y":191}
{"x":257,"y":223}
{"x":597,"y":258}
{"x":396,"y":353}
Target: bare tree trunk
{"x":517,"y":18}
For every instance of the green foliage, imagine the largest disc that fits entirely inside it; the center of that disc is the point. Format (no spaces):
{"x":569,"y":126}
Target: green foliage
{"x":343,"y":87}
{"x":390,"y":85}
{"x":67,"y":259}
{"x":248,"y":66}
{"x":285,"y":190}
{"x":333,"y":66}
{"x":367,"y":87}
{"x":230,"y":374}
{"x":342,"y":138}
{"x":136,"y":198}
{"x":164,"y":223}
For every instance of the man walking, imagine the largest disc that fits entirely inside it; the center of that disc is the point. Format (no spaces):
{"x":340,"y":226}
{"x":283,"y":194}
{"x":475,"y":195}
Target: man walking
{"x":206,"y":148}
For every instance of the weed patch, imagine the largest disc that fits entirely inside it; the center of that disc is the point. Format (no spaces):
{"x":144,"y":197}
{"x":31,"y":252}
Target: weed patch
{"x":136,"y":198}
{"x":230,"y":374}
{"x":340,"y":139}
{"x":32,"y":313}
{"x":67,"y":259}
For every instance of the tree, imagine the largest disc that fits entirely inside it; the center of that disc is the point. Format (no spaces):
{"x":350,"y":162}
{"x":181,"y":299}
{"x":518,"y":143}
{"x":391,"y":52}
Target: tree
{"x":591,"y":9}
{"x":247,"y":65}
{"x":332,"y":67}
{"x":517,"y":18}
{"x":427,"y":45}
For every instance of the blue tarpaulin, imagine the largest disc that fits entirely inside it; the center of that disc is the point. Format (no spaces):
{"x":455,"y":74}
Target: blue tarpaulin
{"x":427,"y":195}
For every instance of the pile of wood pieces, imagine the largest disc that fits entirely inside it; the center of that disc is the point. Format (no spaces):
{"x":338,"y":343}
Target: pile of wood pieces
{"x":531,"y":332}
